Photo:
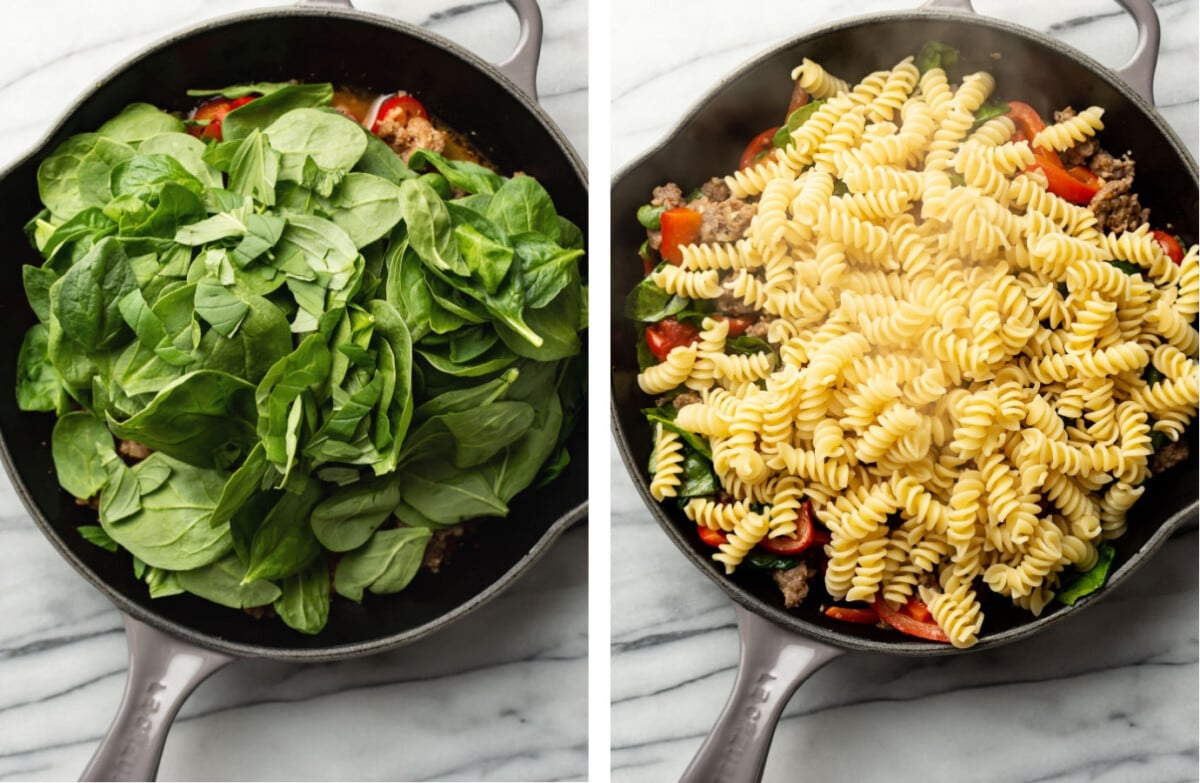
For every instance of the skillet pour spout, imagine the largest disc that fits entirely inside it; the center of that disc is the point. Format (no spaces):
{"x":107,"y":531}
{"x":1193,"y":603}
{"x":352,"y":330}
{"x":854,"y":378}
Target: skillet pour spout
{"x":782,"y":647}
{"x":177,"y":642}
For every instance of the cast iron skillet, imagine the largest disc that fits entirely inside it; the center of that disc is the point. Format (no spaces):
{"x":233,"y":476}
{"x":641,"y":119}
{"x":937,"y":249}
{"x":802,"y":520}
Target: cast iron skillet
{"x":781,"y":648}
{"x":175,"y":643}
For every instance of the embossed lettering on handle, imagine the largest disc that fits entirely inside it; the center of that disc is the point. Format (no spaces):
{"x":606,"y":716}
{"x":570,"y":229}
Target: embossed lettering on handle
{"x":163,"y":671}
{"x":773,"y":664}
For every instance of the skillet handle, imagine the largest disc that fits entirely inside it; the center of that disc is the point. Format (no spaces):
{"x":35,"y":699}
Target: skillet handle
{"x":163,"y":672}
{"x":773,"y":663}
{"x":1138,"y":72}
{"x":521,"y":66}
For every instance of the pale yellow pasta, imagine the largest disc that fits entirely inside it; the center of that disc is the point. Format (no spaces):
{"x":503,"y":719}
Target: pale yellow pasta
{"x":1066,"y":134}
{"x":668,"y":464}
{"x":956,"y":370}
{"x":817,"y":81}
{"x":663,"y":377}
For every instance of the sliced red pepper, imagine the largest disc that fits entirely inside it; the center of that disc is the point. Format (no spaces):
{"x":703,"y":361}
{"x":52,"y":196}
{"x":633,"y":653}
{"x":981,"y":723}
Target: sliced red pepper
{"x":907,"y":625}
{"x":713,"y":538}
{"x":794,"y":544}
{"x":759,"y":147}
{"x":1085,"y":175}
{"x":1170,"y":245}
{"x":214,"y":111}
{"x":680,"y":226}
{"x":667,"y":334}
{"x":399,"y":109}
{"x":821,"y":536}
{"x":1059,"y":181}
{"x":916,"y":609}
{"x":1028,"y":121}
{"x":852,"y":614}
{"x":738,"y":324}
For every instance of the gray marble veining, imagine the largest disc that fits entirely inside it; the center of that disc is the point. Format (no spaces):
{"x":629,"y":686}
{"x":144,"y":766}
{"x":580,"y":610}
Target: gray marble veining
{"x":1110,"y":695}
{"x":501,"y":695}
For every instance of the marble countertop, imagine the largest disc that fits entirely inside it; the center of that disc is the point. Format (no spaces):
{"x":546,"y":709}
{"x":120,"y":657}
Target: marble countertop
{"x":1109,"y":695}
{"x":500,"y":695}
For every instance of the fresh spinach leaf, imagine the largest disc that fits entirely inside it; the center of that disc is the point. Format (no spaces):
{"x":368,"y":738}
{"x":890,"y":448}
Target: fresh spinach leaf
{"x":94,"y":534}
{"x":261,"y":113}
{"x":79,"y":445}
{"x":139,"y":121}
{"x":385,"y":564}
{"x":196,"y":417}
{"x":170,"y":528}
{"x":1089,"y":581}
{"x":346,"y":519}
{"x":224,"y":582}
{"x":303,"y":603}
{"x":284,"y":543}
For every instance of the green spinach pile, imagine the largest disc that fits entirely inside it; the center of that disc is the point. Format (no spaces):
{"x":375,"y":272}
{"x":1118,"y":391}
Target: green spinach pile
{"x":314,"y":339}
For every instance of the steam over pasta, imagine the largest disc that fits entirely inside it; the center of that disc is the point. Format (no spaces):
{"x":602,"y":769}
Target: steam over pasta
{"x":957,"y":374}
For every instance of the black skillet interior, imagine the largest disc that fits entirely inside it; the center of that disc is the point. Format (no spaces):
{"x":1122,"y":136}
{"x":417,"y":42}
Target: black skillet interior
{"x":345,"y":49}
{"x":709,"y":141}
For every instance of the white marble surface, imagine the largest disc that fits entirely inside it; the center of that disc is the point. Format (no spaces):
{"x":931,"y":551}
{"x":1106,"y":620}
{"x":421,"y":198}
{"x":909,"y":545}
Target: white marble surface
{"x":501,"y":695}
{"x":1110,"y":695}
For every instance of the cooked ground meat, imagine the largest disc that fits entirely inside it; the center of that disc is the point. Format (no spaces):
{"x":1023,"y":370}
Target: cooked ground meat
{"x":1080,"y":153}
{"x":729,"y":304}
{"x":716,"y":190}
{"x":1110,"y":169}
{"x":441,"y":546}
{"x":760,"y":327}
{"x":685,"y":398}
{"x":133,"y":450}
{"x":1167,"y":457}
{"x":794,"y":583}
{"x":723,"y":221}
{"x":259,"y":612}
{"x":93,"y":502}
{"x":668,"y":195}
{"x":417,"y":133}
{"x":1117,"y":208}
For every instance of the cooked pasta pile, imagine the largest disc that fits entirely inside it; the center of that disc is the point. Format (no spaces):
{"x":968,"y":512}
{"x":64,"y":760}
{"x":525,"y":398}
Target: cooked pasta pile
{"x":952,"y":350}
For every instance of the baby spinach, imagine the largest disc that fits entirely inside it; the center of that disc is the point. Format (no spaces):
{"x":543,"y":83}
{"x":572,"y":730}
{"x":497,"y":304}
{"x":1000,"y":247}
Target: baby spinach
{"x":1089,"y":581}
{"x":303,"y":602}
{"x":346,"y":519}
{"x":170,"y":528}
{"x":385,"y":564}
{"x":79,"y":444}
{"x":224,"y":582}
{"x":315,"y":339}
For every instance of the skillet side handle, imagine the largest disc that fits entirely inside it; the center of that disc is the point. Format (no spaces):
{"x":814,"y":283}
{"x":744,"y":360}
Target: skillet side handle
{"x":521,"y":66}
{"x":1138,"y":72}
{"x":773,"y":664}
{"x":163,"y":672}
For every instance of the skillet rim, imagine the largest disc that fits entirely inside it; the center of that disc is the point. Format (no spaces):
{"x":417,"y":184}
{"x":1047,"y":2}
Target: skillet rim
{"x":332,"y":652}
{"x":740,"y":595}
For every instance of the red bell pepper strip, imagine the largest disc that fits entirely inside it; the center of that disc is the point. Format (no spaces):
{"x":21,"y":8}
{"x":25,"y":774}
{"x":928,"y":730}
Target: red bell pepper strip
{"x":916,"y":609}
{"x":794,"y":544}
{"x":738,"y":324}
{"x":214,"y":111}
{"x":1085,"y":175}
{"x":1170,"y":245}
{"x":667,"y":334}
{"x":1059,"y":181}
{"x":399,"y":109}
{"x":907,"y":625}
{"x":713,"y":538}
{"x":852,"y":614}
{"x":680,"y":226}
{"x":1028,"y":121}
{"x":759,"y":147}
